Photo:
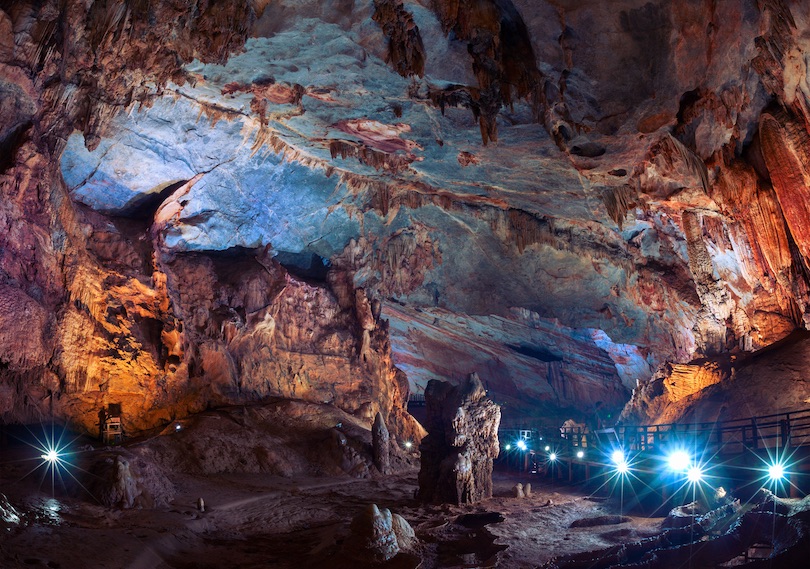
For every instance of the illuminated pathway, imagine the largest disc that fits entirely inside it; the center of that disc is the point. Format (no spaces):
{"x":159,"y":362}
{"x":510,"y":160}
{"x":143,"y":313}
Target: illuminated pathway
{"x":654,"y":464}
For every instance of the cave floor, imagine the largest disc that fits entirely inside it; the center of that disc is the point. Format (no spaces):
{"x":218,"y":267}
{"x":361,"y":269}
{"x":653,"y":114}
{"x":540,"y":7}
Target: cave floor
{"x":254,"y":520}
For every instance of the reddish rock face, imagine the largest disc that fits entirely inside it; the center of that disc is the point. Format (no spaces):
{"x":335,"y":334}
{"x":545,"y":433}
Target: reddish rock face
{"x":226,"y":204}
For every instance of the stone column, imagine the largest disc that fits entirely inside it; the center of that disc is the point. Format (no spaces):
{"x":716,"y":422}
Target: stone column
{"x":461,"y":444}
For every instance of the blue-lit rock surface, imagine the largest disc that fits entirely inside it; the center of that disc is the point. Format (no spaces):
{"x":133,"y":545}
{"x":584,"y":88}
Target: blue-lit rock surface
{"x":430,"y":217}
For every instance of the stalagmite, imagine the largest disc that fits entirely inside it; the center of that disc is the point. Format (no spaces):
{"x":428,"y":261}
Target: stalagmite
{"x":461,"y":444}
{"x":381,"y":447}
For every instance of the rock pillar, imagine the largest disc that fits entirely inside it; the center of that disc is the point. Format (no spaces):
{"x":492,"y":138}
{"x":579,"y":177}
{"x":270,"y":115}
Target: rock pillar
{"x":381,"y":449}
{"x":461,"y":444}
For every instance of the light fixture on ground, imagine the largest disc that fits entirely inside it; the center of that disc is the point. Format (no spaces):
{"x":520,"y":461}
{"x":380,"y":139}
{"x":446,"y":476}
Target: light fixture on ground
{"x":694,"y":474}
{"x":50,"y":456}
{"x":620,"y":462}
{"x":678,"y":461}
{"x":776,"y":472}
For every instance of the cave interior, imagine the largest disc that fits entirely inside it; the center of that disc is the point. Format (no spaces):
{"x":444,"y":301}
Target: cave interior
{"x":404,"y":283}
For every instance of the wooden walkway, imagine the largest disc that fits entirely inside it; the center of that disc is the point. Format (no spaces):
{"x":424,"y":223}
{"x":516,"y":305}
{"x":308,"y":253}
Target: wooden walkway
{"x":783,"y":430}
{"x":733,"y":453}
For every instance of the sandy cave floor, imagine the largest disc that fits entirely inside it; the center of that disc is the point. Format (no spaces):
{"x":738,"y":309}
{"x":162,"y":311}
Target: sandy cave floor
{"x":254,"y":520}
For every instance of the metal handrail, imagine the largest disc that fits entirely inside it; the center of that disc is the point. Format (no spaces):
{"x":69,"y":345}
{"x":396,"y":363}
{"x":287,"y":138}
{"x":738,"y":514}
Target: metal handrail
{"x":789,"y":429}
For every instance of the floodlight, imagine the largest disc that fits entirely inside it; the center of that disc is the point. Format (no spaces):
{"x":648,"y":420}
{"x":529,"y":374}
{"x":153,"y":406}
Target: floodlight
{"x":552,"y":457}
{"x":521,"y":444}
{"x":678,"y":461}
{"x":508,"y":447}
{"x":580,"y":454}
{"x":618,"y":457}
{"x":548,"y":448}
{"x":177,"y":427}
{"x":694,"y":474}
{"x":776,"y":472}
{"x":408,"y":444}
{"x":50,"y":456}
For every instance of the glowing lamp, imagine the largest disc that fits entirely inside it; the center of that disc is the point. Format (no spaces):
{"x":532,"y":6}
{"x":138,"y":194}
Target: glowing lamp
{"x":620,"y":461}
{"x":521,"y":444}
{"x":694,"y":474}
{"x":580,"y":454}
{"x":408,"y":444}
{"x":508,"y":447}
{"x":50,"y":456}
{"x":548,"y":448}
{"x":177,"y":427}
{"x":552,"y":457}
{"x":776,"y":472}
{"x":679,"y":461}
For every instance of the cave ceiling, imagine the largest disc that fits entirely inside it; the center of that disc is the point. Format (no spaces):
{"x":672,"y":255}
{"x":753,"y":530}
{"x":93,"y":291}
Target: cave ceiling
{"x":560,"y":196}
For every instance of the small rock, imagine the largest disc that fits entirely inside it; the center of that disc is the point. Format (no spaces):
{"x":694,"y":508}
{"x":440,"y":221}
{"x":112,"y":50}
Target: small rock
{"x":517,"y":490}
{"x":372,"y":537}
{"x":527,"y":489}
{"x":9,"y":516}
{"x":201,"y":504}
{"x":406,"y":537}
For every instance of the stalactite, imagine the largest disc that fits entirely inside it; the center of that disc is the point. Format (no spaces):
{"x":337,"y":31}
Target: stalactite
{"x":371,"y":157}
{"x":618,"y":201}
{"x":695,"y":164}
{"x":784,"y":144}
{"x":406,"y":53}
{"x":503,"y":57}
{"x":456,"y":96}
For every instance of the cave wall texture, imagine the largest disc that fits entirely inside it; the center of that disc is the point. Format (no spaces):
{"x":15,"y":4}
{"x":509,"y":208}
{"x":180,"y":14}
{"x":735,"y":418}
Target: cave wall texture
{"x":218,"y":202}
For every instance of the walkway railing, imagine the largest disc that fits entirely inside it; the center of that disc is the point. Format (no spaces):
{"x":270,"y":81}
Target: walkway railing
{"x":779,"y":430}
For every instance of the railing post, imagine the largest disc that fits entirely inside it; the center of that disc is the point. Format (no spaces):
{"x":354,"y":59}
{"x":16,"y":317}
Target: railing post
{"x":754,"y":434}
{"x":784,"y":431}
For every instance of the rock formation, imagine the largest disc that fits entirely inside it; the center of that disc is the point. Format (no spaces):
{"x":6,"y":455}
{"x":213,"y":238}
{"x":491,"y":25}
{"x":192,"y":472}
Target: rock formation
{"x":9,"y":516}
{"x":726,"y":535}
{"x":372,"y":538}
{"x":380,"y":444}
{"x":125,"y":480}
{"x":567,"y":195}
{"x":406,"y":537}
{"x":461,"y":443}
